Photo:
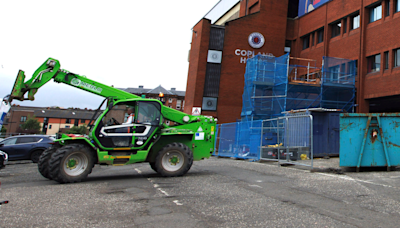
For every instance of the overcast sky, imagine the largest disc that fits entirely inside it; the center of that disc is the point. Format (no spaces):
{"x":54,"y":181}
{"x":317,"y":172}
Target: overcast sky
{"x":125,"y":43}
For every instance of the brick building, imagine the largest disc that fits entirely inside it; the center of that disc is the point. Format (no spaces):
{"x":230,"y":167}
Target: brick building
{"x":171,"y":98}
{"x":364,"y":30}
{"x":52,"y":120}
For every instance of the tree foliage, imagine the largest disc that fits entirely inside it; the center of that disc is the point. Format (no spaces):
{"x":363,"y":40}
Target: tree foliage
{"x":78,"y":130}
{"x":3,"y":129}
{"x":31,"y":126}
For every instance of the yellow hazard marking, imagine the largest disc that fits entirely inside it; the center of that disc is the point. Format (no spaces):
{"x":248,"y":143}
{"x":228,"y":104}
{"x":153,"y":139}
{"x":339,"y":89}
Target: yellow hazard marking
{"x":122,"y":157}
{"x":212,"y":128}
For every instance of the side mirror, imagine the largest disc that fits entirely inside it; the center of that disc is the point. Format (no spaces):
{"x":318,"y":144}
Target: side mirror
{"x":1,"y":144}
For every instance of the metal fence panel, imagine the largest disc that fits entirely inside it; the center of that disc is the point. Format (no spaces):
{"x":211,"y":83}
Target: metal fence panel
{"x":227,"y":138}
{"x":288,"y":140}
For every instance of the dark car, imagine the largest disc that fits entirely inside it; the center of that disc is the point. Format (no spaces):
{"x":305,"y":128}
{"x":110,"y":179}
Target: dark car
{"x":25,"y":147}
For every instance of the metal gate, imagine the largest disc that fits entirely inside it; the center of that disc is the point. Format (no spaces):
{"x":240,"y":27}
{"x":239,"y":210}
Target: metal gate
{"x":288,"y":139}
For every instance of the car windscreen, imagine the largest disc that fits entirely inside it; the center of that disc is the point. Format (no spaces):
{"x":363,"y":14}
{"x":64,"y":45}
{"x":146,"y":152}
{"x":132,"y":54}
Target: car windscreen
{"x":7,"y":142}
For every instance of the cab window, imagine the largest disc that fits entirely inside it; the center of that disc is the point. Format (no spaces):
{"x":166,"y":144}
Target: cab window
{"x":148,"y":113}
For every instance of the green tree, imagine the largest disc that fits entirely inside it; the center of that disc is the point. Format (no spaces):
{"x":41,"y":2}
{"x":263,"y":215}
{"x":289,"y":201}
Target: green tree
{"x":31,"y":126}
{"x":78,"y":130}
{"x":3,"y":129}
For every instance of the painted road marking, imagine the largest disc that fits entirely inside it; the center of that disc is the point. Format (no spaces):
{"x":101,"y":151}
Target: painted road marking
{"x":156,"y":186}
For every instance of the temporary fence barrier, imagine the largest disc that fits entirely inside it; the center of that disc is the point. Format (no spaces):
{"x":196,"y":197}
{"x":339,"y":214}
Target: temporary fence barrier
{"x":240,"y":140}
{"x":288,"y":139}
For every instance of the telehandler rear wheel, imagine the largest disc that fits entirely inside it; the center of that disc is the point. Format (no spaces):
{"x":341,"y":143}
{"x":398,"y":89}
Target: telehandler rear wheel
{"x":174,"y":159}
{"x":43,"y":163}
{"x":71,"y":163}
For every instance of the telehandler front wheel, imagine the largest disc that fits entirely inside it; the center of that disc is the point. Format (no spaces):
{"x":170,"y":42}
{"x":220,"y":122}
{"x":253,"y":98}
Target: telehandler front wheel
{"x":43,"y":163}
{"x":173,"y":160}
{"x":71,"y":163}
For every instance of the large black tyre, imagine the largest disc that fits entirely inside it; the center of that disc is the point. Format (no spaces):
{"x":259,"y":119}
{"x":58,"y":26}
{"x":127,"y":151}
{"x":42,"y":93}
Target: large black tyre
{"x":35,"y":155}
{"x":153,"y":166}
{"x":71,"y":163}
{"x":43,"y":163}
{"x":173,"y":160}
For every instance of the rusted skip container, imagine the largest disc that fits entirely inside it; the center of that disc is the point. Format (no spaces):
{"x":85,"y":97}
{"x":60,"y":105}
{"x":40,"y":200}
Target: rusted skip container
{"x":369,"y":139}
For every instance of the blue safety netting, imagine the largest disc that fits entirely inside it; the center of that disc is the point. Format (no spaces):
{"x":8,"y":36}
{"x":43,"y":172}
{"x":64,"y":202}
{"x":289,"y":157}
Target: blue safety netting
{"x":338,"y":83}
{"x":268,"y":93}
{"x":265,"y":87}
{"x":240,"y":140}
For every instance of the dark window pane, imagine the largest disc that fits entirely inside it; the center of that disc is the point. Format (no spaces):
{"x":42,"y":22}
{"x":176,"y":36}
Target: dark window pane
{"x":387,"y":60}
{"x":374,"y":63}
{"x":306,"y":42}
{"x":336,"y":29}
{"x":387,"y":7}
{"x":320,"y":35}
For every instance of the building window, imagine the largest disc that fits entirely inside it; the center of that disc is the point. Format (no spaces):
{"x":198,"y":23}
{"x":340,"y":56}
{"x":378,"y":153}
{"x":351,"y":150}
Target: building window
{"x":312,"y":39}
{"x":397,"y":5}
{"x":344,"y":25}
{"x":375,"y":13}
{"x":374,"y":63}
{"x":170,"y":100}
{"x":178,"y":104}
{"x":67,"y":120}
{"x":386,"y":54}
{"x":306,"y":42}
{"x":336,"y":29}
{"x":67,"y":126}
{"x":320,"y":34}
{"x":76,"y":122}
{"x":50,"y":126}
{"x":23,"y":118}
{"x":83,"y":121}
{"x":334,"y":73}
{"x":355,"y":22}
{"x":387,"y":3}
{"x":397,"y":57}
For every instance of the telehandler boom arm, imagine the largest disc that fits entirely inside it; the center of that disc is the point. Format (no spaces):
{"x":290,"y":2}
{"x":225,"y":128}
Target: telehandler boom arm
{"x":50,"y":69}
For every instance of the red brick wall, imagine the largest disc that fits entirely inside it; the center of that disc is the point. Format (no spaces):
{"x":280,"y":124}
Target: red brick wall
{"x":197,"y":65}
{"x":271,"y":21}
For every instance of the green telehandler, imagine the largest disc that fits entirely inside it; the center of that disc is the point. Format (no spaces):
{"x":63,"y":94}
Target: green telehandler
{"x":170,"y":150}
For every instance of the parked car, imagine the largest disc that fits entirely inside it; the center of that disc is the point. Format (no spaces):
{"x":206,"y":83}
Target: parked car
{"x":3,"y":159}
{"x":25,"y":147}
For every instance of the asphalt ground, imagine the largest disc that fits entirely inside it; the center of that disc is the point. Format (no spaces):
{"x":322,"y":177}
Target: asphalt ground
{"x":217,"y":192}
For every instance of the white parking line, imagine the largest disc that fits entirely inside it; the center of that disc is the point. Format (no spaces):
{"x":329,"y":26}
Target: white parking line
{"x":177,"y":203}
{"x":140,"y":172}
{"x":343,"y":177}
{"x":156,"y":186}
{"x":254,"y":185}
